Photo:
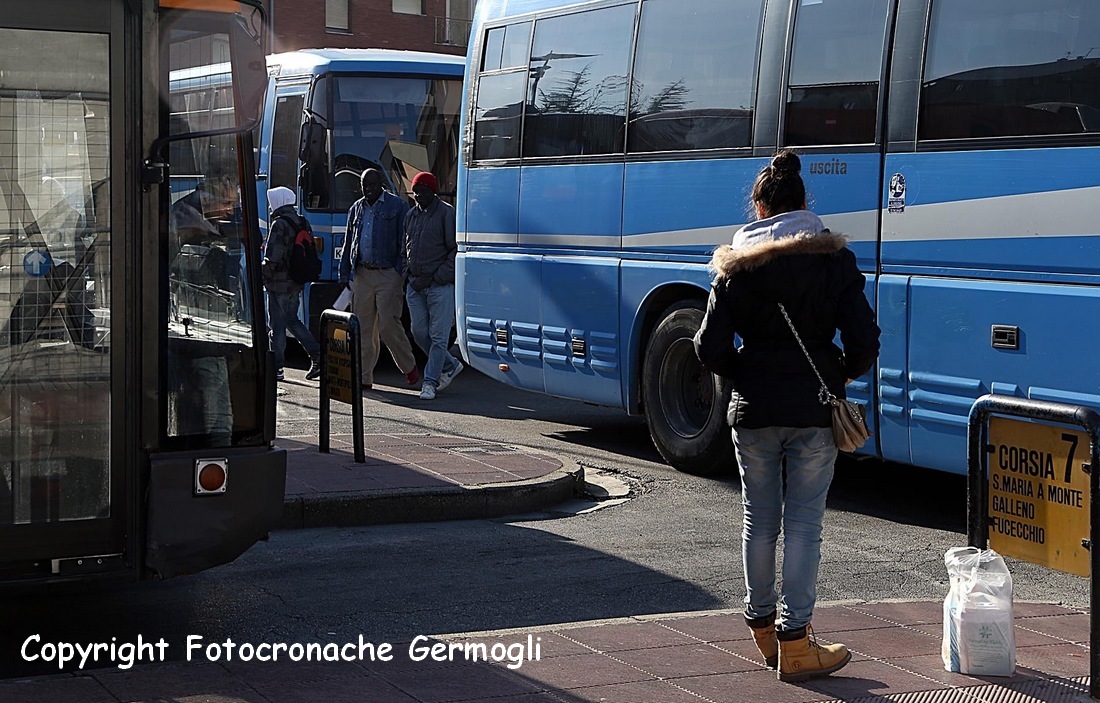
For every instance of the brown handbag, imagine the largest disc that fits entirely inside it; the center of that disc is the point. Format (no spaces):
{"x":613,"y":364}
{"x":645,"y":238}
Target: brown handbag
{"x":849,"y":418}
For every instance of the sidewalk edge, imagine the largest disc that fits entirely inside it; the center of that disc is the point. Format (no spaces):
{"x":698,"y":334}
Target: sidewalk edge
{"x":392,"y":506}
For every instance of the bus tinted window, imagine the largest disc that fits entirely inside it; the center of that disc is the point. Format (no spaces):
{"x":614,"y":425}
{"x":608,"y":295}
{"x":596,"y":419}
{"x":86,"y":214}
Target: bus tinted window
{"x":997,"y":69}
{"x":694,"y":75}
{"x":576,"y":103}
{"x":835,"y":71}
{"x":497,"y":121}
{"x":494,"y":45}
{"x":516,"y":42}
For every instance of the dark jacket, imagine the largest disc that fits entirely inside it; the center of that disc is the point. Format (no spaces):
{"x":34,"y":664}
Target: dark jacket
{"x":387,"y":235}
{"x":814,"y":275}
{"x":284,"y":227}
{"x":430,"y":245}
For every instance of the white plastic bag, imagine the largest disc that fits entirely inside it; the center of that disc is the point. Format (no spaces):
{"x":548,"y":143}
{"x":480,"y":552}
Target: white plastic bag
{"x":978,"y":634}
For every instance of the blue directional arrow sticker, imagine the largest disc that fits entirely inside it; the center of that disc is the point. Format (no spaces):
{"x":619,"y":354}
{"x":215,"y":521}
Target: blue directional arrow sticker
{"x":37,"y":263}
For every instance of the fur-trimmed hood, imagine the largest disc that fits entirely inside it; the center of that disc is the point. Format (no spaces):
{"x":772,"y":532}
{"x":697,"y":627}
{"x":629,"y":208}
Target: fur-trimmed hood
{"x":788,"y":234}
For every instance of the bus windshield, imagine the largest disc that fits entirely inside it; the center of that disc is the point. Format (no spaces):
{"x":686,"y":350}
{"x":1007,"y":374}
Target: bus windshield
{"x":398,"y":125}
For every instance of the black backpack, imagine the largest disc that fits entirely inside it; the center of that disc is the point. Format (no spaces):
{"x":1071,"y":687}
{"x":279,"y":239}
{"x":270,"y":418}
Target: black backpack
{"x":303,"y":264}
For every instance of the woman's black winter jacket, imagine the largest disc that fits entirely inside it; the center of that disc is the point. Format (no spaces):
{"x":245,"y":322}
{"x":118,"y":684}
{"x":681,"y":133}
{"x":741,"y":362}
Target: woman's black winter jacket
{"x":815,"y":276}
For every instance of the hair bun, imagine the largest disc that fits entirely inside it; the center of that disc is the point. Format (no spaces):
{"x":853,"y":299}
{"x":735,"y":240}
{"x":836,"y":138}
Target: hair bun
{"x":786,"y":161}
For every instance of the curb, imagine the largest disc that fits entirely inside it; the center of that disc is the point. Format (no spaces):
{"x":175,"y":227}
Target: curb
{"x":392,"y":506}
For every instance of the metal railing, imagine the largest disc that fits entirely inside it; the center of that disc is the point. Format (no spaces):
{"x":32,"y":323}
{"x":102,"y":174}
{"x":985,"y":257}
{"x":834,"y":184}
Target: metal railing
{"x":451,"y":31}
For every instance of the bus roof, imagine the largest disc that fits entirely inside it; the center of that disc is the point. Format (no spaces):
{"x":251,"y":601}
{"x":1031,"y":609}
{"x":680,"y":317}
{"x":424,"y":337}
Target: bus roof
{"x":313,"y":61}
{"x":316,"y":61}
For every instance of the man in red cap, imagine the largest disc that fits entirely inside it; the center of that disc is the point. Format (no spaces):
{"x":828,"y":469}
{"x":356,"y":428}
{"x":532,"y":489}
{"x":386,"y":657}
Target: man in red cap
{"x":430,"y":273}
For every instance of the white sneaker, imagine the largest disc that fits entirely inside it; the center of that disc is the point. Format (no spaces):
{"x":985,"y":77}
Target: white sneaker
{"x":445,"y":379}
{"x":427,"y":392}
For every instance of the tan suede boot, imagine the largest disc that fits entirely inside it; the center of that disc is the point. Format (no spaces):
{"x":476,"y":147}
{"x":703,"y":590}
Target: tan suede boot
{"x":763,"y":633}
{"x":802,"y":658}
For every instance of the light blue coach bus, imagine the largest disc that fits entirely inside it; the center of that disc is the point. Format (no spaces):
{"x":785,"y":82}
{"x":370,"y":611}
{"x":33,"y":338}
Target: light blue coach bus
{"x":610,"y":146}
{"x":330,"y":114}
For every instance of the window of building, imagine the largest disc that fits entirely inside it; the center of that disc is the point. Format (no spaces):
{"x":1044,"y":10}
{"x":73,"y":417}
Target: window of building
{"x":694,"y":75}
{"x":408,"y":7}
{"x":576,"y":98}
{"x":997,"y":69}
{"x":336,"y":15}
{"x":835,"y":72}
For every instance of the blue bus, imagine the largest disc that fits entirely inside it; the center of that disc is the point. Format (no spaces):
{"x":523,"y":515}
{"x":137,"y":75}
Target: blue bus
{"x":609,"y":146}
{"x":329,"y":115}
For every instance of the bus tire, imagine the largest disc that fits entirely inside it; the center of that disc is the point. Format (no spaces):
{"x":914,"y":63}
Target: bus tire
{"x":685,"y":406}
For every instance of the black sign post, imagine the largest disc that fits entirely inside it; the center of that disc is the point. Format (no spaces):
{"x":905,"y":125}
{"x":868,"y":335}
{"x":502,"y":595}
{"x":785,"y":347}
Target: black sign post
{"x":1040,"y":465}
{"x":340,"y":375}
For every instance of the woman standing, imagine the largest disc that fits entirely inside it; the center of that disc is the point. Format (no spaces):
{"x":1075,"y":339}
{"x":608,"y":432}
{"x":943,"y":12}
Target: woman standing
{"x":786,"y":264}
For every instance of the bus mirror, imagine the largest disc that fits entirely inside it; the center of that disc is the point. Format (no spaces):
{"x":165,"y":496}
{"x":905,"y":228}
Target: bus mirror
{"x":249,"y":72}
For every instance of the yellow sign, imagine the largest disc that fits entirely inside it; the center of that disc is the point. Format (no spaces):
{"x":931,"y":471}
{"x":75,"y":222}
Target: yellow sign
{"x":1039,"y":494}
{"x":338,"y":361}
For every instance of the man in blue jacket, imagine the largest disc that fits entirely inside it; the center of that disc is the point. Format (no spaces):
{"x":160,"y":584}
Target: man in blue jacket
{"x":373,"y":261}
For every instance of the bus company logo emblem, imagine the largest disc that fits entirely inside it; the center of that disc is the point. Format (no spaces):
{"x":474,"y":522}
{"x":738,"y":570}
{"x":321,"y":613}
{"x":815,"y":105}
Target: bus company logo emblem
{"x":211,"y":476}
{"x":896,"y":202}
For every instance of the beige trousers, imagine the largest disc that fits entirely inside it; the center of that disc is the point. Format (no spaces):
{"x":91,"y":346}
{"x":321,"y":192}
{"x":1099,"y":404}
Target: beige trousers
{"x":377,"y":299}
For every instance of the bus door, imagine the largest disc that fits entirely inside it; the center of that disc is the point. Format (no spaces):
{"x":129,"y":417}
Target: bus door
{"x":280,"y":137}
{"x":831,"y":113}
{"x":66,"y":448}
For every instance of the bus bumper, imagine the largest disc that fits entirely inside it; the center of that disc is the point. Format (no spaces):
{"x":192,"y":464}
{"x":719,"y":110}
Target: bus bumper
{"x":188,"y":532}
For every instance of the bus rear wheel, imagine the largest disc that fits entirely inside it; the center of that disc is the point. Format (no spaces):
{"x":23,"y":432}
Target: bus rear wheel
{"x":685,"y":405}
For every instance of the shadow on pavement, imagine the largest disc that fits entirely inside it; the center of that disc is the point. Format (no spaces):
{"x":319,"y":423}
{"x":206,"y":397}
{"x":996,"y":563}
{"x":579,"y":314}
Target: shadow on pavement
{"x":386,"y":584}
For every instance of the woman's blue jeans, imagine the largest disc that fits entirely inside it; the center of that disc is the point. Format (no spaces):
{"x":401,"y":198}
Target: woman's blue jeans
{"x":810,"y":453}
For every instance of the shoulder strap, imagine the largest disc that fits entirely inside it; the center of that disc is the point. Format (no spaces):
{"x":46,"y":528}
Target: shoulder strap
{"x":294,"y":225}
{"x":824,"y":395}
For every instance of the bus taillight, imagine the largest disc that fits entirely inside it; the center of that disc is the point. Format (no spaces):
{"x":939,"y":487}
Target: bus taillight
{"x":211,"y":476}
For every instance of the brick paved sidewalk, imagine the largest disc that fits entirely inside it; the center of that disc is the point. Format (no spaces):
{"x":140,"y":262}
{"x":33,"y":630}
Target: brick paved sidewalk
{"x":679,"y":658}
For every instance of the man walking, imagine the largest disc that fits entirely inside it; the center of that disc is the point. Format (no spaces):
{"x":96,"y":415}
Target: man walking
{"x":283,"y":293}
{"x":430,"y":250}
{"x":372,"y":260}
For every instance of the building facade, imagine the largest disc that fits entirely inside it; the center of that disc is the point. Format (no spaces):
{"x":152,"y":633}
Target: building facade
{"x":419,"y":25}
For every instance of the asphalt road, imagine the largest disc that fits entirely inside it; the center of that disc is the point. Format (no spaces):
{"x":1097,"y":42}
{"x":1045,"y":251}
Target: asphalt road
{"x":673,"y":547}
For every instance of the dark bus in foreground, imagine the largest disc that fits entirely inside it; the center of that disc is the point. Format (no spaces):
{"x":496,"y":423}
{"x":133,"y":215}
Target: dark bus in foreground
{"x":136,"y":391}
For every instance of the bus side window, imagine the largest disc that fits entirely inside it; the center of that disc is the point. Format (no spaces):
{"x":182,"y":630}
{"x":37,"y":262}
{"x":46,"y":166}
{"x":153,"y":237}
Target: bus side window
{"x":694,"y":75}
{"x":835,"y":72}
{"x":576,"y":97}
{"x":500,"y":94}
{"x":984,"y":76}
